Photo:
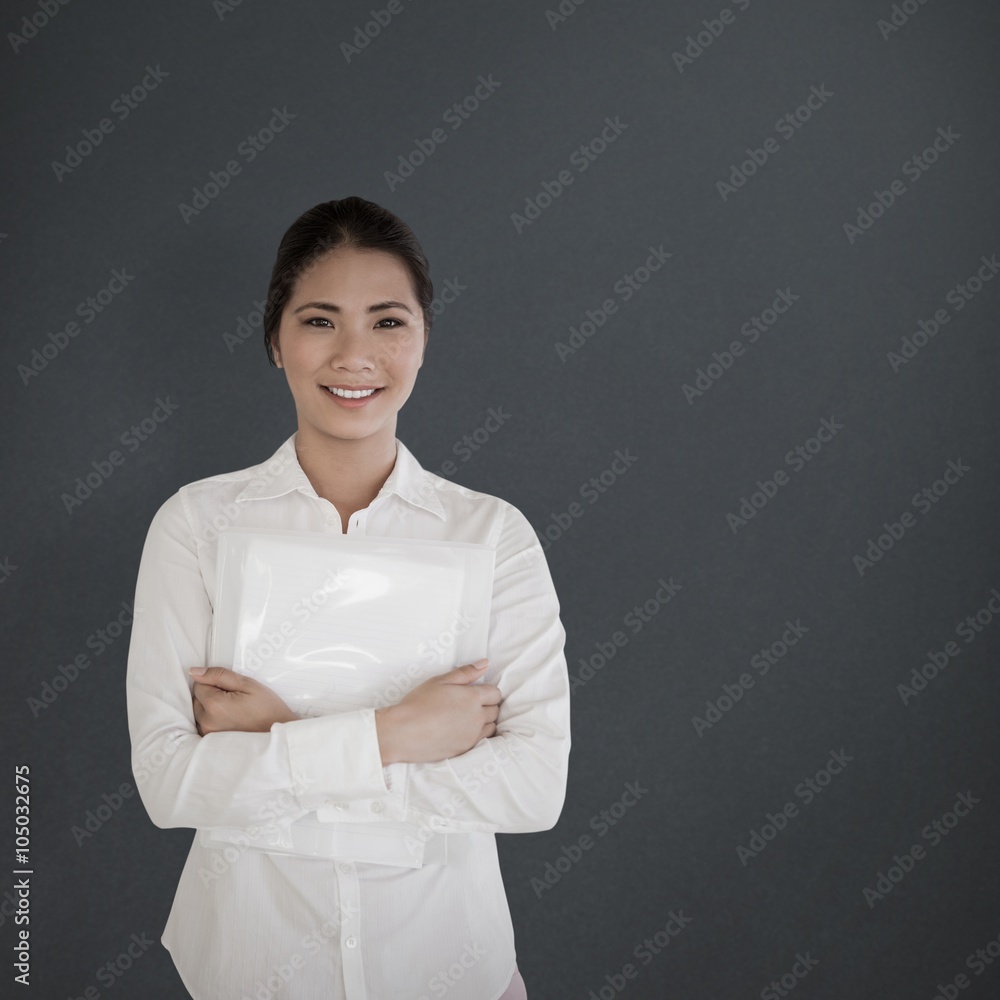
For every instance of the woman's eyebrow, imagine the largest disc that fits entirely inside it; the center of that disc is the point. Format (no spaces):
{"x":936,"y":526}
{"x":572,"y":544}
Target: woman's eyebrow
{"x":332,"y":307}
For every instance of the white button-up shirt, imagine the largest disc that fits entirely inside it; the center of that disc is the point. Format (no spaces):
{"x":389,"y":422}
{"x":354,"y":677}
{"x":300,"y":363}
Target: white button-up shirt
{"x":250,"y":923}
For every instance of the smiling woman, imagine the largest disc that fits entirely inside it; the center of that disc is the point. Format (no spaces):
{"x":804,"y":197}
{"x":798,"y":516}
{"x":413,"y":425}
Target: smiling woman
{"x":348,"y":318}
{"x":351,"y":338}
{"x":479,"y":749}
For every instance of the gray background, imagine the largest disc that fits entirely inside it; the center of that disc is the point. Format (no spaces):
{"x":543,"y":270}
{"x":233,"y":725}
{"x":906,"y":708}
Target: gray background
{"x":666,"y":517}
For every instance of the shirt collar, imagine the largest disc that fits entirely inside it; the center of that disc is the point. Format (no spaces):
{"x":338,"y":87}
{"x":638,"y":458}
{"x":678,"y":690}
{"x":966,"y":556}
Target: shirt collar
{"x":282,"y":473}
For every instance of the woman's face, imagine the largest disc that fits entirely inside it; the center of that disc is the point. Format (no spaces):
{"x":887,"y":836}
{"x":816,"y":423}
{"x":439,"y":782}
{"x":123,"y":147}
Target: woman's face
{"x":352,"y":321}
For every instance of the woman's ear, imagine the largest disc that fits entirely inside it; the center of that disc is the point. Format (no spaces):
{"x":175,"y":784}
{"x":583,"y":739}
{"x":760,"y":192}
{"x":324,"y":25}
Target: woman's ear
{"x":276,"y":351}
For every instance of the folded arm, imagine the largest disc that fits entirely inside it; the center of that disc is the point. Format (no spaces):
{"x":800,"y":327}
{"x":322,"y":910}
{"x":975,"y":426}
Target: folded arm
{"x":232,"y":779}
{"x":515,"y":781}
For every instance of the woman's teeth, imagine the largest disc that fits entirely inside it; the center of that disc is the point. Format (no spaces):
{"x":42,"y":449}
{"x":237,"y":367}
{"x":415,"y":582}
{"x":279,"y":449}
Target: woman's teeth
{"x":351,"y":393}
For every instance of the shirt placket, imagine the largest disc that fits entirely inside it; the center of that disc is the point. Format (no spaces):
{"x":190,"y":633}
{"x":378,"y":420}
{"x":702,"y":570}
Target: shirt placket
{"x":348,"y":887}
{"x":357,"y":525}
{"x":349,"y":893}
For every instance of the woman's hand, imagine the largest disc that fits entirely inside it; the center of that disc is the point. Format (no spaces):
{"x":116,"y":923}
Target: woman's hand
{"x":444,"y":717}
{"x":225,"y":701}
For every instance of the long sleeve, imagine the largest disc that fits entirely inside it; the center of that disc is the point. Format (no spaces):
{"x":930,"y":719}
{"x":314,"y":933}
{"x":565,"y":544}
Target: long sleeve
{"x":515,"y":781}
{"x":232,"y":779}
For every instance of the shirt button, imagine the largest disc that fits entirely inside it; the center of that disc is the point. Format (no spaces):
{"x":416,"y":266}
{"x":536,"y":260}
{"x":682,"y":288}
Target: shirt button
{"x":377,"y":807}
{"x":346,"y":869}
{"x":351,"y":942}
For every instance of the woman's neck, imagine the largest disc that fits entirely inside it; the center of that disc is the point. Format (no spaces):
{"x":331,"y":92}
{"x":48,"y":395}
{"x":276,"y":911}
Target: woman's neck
{"x":348,"y":473}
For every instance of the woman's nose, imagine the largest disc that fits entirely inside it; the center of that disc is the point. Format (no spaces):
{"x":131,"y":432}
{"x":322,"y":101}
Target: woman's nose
{"x":352,"y":348}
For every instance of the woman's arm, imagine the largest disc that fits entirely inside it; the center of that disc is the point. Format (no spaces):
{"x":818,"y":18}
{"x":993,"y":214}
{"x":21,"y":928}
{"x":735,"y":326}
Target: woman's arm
{"x":232,"y":779}
{"x":515,"y":781}
{"x":442,"y":717}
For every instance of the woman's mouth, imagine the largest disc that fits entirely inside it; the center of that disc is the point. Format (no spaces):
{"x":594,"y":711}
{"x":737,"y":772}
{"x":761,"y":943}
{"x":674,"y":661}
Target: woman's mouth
{"x":352,"y":399}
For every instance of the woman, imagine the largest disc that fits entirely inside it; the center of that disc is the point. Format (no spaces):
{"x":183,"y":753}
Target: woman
{"x":479,"y":749}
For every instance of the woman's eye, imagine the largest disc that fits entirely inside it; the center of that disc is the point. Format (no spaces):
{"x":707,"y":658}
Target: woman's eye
{"x":325,"y":323}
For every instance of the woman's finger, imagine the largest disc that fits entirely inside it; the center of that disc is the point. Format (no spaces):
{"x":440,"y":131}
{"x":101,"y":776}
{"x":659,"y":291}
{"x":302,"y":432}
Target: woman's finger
{"x":490,"y":694}
{"x":221,"y":677}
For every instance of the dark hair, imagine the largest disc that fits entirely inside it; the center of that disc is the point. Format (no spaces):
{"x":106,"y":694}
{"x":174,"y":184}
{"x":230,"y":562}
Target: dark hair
{"x":350,"y":222}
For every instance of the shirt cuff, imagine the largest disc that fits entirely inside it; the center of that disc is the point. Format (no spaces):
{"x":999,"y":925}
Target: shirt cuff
{"x":334,"y":758}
